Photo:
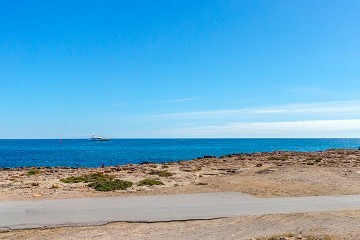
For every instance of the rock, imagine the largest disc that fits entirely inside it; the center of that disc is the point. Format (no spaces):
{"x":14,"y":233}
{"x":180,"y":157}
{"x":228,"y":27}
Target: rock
{"x":146,"y":162}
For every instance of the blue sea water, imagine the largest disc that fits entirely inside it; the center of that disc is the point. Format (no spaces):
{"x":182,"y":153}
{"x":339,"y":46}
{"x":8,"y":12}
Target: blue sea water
{"x":83,"y":153}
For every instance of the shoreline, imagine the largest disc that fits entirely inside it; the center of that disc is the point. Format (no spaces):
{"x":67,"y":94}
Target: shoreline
{"x":275,"y":152}
{"x":264,"y":174}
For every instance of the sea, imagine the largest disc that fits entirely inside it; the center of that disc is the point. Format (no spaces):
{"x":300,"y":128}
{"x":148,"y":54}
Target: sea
{"x":84,"y":153}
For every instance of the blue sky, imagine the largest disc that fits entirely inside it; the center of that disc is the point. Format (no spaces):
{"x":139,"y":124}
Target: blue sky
{"x":139,"y":69}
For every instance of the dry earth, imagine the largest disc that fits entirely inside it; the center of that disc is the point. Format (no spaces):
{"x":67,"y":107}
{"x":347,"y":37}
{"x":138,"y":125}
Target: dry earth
{"x":325,"y":226}
{"x":273,"y":174}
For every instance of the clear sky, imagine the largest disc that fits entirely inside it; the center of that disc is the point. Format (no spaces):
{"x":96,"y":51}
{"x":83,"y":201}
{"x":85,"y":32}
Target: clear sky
{"x":139,"y":69}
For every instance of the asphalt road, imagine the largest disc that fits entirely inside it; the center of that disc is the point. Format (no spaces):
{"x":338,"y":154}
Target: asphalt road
{"x":95,"y":211}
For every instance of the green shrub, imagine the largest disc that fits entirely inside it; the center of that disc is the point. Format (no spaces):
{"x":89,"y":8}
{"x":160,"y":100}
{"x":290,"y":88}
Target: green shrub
{"x":150,"y":182}
{"x":33,"y":171}
{"x":278,"y":158}
{"x":110,"y":185}
{"x":99,"y":181}
{"x":92,"y":177}
{"x":72,"y":179}
{"x":161,"y":173}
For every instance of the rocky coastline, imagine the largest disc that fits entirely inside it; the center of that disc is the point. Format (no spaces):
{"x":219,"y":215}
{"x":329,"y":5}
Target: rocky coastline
{"x":267,"y":174}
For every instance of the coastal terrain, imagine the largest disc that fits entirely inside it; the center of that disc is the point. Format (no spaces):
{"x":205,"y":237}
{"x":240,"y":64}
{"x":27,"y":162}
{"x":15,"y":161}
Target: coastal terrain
{"x":275,"y":174}
{"x":263,"y":175}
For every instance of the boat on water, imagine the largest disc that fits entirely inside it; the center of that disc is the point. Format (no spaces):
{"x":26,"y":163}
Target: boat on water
{"x":99,"y":139}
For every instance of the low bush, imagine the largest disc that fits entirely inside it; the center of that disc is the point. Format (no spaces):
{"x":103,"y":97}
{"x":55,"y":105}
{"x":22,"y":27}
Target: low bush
{"x":110,"y":185}
{"x":99,"y":181}
{"x":150,"y":182}
{"x":88,"y":178}
{"x":278,"y":158}
{"x":93,"y":177}
{"x":33,"y":171}
{"x":161,"y":173}
{"x":72,"y":179}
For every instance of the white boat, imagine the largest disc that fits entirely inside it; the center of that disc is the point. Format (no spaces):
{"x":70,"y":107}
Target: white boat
{"x":98,"y":138}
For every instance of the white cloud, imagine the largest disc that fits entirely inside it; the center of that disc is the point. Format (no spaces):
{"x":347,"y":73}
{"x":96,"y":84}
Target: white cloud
{"x":310,"y":109}
{"x":296,"y":126}
{"x":308,"y":128}
{"x":327,"y":108}
{"x":199,"y":114}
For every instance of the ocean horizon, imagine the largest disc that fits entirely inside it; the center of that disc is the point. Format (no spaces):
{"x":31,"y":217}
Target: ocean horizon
{"x":84,"y":153}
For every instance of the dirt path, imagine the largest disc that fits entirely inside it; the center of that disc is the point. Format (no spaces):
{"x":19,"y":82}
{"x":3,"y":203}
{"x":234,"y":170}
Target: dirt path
{"x":339,"y":225}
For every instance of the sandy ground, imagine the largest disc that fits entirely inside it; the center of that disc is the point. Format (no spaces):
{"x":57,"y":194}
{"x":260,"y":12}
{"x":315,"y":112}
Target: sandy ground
{"x":333,"y":225}
{"x":274,"y":174}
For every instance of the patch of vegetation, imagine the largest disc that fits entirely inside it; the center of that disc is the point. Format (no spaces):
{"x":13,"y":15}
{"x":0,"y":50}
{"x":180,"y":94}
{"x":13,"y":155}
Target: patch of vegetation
{"x":276,"y":158}
{"x":95,"y":177}
{"x":34,"y":184}
{"x":88,"y":178}
{"x":164,"y":166}
{"x":72,"y":179}
{"x":201,"y":184}
{"x":161,"y":173}
{"x":33,"y":171}
{"x":110,"y":185}
{"x":99,"y":181}
{"x":150,"y":182}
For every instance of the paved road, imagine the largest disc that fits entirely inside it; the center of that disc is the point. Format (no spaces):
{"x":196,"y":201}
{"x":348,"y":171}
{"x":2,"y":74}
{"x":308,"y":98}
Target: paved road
{"x":93,"y":211}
